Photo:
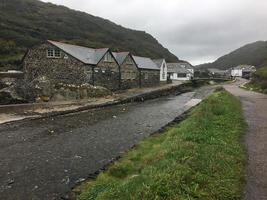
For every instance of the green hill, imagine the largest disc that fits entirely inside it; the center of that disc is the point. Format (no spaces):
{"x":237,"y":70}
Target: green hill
{"x":251,"y":54}
{"x":25,"y":23}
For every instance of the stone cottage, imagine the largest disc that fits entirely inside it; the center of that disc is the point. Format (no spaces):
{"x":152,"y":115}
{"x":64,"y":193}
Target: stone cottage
{"x":129,"y":72}
{"x":148,"y":70}
{"x":58,"y":63}
{"x":161,"y":63}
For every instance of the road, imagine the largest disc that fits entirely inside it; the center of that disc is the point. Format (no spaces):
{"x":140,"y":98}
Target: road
{"x":255,"y":111}
{"x":45,"y":158}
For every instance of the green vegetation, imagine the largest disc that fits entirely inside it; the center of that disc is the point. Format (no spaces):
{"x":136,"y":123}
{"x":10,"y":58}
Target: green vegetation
{"x":252,"y":54}
{"x":200,"y":158}
{"x":25,"y":23}
{"x":259,"y":81}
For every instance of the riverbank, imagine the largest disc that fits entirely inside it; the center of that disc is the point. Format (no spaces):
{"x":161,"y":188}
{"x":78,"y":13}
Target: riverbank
{"x":9,"y":113}
{"x":52,"y":155}
{"x":194,"y":159}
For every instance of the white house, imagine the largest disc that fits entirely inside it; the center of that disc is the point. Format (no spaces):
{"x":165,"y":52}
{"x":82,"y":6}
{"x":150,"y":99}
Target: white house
{"x":161,"y":63}
{"x":242,"y":70}
{"x":180,"y":71}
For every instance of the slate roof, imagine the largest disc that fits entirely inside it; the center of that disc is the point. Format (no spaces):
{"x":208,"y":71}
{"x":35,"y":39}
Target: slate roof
{"x":186,"y":65}
{"x":145,"y":63}
{"x":158,"y":62}
{"x":245,"y":67}
{"x":176,"y":68}
{"x":120,"y":56}
{"x":84,"y":54}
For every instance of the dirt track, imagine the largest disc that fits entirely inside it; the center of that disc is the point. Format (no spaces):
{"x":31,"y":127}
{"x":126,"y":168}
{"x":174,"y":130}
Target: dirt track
{"x":255,"y":110}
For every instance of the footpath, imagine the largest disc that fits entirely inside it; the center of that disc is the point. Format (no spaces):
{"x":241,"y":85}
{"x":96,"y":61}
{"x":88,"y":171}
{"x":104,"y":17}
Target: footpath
{"x":255,"y":110}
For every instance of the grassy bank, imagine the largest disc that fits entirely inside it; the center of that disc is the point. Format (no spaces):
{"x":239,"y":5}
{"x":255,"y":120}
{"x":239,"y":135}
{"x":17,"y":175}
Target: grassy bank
{"x":200,"y":158}
{"x":259,"y":81}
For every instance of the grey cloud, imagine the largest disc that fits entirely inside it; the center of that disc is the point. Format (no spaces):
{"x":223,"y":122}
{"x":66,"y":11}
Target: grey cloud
{"x":198,"y":31}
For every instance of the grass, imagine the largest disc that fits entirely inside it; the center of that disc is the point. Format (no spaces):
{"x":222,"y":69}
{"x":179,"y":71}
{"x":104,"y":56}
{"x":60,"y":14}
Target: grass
{"x":254,"y":87}
{"x":199,"y":158}
{"x":259,"y":81}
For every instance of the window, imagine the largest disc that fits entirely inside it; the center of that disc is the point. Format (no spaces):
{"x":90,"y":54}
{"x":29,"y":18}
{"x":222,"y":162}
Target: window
{"x":108,"y":57}
{"x":50,"y":53}
{"x":53,"y":53}
{"x":57,"y":53}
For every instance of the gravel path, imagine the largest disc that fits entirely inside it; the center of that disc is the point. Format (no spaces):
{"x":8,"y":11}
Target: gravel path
{"x":255,"y":110}
{"x":45,"y":158}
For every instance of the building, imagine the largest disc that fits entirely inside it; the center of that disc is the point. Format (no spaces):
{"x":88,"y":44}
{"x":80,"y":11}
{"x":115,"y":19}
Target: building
{"x":149,"y":72}
{"x":61,"y":63}
{"x":161,"y":63}
{"x":218,"y":73}
{"x":129,"y":72}
{"x":180,"y":71}
{"x":244,"y":71}
{"x":187,"y":66}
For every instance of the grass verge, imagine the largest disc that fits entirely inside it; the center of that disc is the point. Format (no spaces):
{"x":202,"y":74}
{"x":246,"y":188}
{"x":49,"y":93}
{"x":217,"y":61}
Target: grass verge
{"x":199,"y":158}
{"x":254,"y":87}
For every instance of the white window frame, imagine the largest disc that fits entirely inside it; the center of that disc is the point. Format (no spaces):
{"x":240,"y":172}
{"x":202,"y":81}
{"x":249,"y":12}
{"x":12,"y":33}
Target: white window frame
{"x":51,"y":53}
{"x":57,"y":53}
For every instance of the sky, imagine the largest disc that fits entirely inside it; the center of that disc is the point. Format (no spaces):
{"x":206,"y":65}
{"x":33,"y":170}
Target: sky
{"x":198,"y":31}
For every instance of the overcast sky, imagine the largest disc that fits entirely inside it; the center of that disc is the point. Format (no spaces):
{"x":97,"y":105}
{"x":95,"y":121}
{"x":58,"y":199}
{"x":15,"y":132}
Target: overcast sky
{"x":195,"y":30}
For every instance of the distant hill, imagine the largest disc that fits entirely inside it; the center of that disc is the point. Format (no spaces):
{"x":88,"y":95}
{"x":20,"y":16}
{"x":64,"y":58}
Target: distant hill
{"x":251,"y":54}
{"x":25,"y":23}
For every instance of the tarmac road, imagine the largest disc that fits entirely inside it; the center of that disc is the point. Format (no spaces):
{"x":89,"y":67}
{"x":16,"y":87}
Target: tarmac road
{"x":45,"y":158}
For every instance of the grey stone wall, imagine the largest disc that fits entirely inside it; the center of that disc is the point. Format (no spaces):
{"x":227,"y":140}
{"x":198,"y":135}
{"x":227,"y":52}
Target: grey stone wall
{"x":37,"y":66}
{"x":48,"y":74}
{"x":150,"y":78}
{"x":129,"y":74}
{"x":106,"y":74}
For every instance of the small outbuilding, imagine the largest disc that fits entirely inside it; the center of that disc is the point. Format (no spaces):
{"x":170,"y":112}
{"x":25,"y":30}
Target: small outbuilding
{"x":149,"y":72}
{"x":129,"y":72}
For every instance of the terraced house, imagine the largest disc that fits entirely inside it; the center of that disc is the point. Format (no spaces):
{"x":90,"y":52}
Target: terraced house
{"x":57,"y":63}
{"x":149,"y":72}
{"x":129,"y":72}
{"x":71,"y":64}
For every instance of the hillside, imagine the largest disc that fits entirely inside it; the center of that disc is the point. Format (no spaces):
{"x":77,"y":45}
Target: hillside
{"x":252,"y":54}
{"x":25,"y":23}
